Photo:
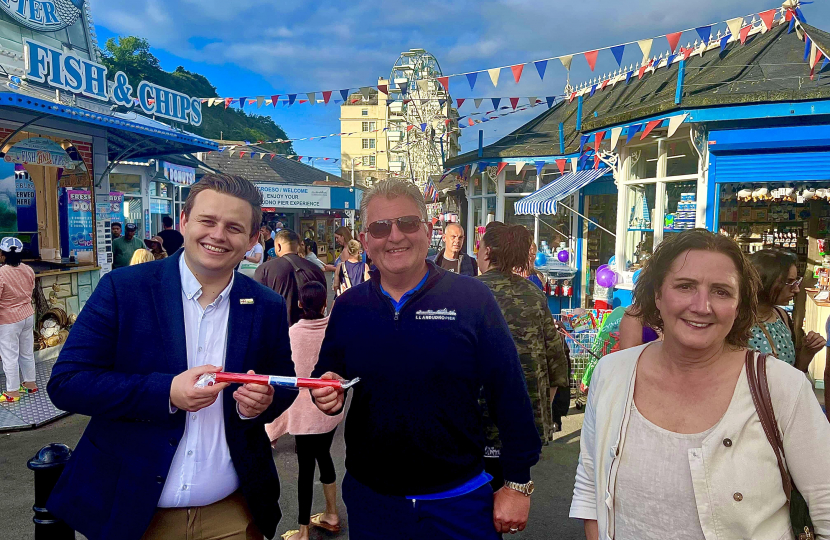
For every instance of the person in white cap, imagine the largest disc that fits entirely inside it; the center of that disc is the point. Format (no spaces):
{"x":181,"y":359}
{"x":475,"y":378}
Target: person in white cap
{"x":17,"y":342}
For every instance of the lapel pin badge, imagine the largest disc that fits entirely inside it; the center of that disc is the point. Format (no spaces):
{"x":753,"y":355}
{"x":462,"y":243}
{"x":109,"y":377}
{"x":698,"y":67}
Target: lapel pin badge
{"x":246,"y":301}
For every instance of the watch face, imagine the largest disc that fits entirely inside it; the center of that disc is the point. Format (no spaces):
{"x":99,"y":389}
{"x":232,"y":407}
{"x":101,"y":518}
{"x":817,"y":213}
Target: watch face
{"x":530,"y":488}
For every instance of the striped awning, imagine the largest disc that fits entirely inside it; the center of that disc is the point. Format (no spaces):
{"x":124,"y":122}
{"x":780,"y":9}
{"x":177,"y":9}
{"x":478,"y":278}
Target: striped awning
{"x":543,"y":201}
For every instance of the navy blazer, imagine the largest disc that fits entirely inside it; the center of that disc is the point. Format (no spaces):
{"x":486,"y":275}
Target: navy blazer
{"x":117,"y":367}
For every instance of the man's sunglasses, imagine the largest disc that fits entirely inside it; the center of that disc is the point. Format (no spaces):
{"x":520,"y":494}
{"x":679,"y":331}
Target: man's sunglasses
{"x":383,"y":227}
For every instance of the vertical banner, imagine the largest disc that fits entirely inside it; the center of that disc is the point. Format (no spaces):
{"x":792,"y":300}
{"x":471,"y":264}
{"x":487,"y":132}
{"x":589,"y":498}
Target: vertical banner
{"x":8,"y":200}
{"x":104,"y":212}
{"x":26,"y":210}
{"x":79,"y":220}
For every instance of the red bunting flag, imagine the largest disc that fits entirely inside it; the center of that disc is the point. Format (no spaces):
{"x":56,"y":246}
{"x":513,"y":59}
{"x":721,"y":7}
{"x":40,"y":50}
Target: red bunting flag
{"x":241,"y":154}
{"x":470,"y":122}
{"x":686,"y":52}
{"x":598,"y":139}
{"x":650,"y":127}
{"x":501,"y":167}
{"x":591,"y":57}
{"x":517,"y":71}
{"x":445,"y":82}
{"x":299,"y":158}
{"x":459,"y":102}
{"x":745,"y":33}
{"x":643,"y":70}
{"x":409,"y":128}
{"x":272,"y":156}
{"x":326,"y":96}
{"x":571,"y":98}
{"x":673,"y":40}
{"x":384,"y":88}
{"x":447,"y":121}
{"x":514,"y":101}
{"x":274,"y":99}
{"x":251,"y":101}
{"x":228,"y":101}
{"x":596,"y":161}
{"x":789,"y":15}
{"x":768,"y":17}
{"x":561,"y":164}
{"x":604,"y":84}
{"x":303,"y":101}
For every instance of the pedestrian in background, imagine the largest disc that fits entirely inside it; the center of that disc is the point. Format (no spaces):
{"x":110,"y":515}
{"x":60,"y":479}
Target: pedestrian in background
{"x":17,"y":341}
{"x":268,"y":246}
{"x":124,"y":247}
{"x":672,"y":445}
{"x":451,"y":258}
{"x":312,"y":429}
{"x":503,"y":253}
{"x":415,"y":443}
{"x":115,"y":230}
{"x":171,"y":238}
{"x":774,"y":332}
{"x":142,"y":256}
{"x":156,"y":247}
{"x":310,"y":249}
{"x":352,"y":271}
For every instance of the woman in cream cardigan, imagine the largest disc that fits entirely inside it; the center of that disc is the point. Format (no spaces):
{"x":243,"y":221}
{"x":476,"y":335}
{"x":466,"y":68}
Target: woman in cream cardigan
{"x":671,"y":444}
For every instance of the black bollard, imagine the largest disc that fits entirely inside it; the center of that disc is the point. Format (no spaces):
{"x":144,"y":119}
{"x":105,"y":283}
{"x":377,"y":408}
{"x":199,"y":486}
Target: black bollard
{"x":48,"y":464}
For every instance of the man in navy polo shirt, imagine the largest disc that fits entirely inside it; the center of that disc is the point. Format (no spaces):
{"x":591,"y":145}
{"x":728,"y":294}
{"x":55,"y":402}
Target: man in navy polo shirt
{"x":414,"y":441}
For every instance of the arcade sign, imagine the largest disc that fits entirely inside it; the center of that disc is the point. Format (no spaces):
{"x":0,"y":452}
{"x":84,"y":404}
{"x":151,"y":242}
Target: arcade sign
{"x":43,"y":15}
{"x":63,"y":70}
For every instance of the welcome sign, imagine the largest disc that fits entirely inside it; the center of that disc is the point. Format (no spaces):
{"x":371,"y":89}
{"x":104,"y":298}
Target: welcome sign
{"x":286,"y":196}
{"x":43,"y":15}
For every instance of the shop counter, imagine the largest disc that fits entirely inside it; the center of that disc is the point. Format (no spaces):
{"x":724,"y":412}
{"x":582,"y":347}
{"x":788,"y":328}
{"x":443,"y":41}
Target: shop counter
{"x":815,"y":319}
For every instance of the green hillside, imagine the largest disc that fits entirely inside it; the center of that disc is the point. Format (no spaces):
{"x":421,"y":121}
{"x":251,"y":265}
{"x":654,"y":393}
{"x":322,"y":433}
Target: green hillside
{"x":132,"y":56}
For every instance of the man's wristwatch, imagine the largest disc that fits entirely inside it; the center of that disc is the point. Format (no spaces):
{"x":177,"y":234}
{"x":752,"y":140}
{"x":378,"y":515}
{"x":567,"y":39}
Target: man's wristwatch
{"x":524,"y":489}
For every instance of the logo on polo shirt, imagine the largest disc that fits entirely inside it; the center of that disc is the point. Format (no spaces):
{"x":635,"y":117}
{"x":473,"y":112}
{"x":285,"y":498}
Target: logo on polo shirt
{"x":440,"y":315}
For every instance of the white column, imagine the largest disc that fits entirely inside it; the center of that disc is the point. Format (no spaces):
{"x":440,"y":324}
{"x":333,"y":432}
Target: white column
{"x":622,"y":213}
{"x":500,"y":189}
{"x":471,"y":228}
{"x":536,"y":216}
{"x":703,"y":189}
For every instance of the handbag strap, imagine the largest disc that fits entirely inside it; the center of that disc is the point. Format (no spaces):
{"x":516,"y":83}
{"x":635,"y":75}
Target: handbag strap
{"x":771,"y":341}
{"x":756,"y":374}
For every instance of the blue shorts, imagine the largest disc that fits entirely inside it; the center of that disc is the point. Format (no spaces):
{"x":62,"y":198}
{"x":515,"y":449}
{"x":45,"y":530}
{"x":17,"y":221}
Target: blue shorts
{"x":373,"y":516}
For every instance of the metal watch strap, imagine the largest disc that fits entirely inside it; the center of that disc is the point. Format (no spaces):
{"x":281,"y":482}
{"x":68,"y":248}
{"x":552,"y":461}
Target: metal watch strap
{"x":524,"y":489}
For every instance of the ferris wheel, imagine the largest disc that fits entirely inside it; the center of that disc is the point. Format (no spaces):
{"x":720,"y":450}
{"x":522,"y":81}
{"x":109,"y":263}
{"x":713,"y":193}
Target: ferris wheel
{"x":418,"y":99}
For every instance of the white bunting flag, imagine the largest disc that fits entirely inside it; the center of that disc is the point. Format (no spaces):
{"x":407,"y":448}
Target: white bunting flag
{"x":735,"y":27}
{"x":645,"y":46}
{"x":494,"y":75}
{"x":519,"y":167}
{"x":675,"y":122}
{"x":532,"y":101}
{"x":312,"y":98}
{"x":566,"y":61}
{"x":259,"y":101}
{"x":813,"y":55}
{"x":478,"y":102}
{"x":574,"y":163}
{"x":473,"y":169}
{"x":615,"y":136}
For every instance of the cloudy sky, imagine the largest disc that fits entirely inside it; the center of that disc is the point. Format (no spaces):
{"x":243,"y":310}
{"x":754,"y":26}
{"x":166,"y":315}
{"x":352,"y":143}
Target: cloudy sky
{"x":264,"y":47}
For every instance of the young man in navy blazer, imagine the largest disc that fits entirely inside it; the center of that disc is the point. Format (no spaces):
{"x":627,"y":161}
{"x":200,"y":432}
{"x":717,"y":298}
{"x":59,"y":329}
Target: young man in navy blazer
{"x":161,"y":458}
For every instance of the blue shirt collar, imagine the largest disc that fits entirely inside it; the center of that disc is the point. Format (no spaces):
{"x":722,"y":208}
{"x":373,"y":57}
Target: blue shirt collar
{"x":407,"y":295}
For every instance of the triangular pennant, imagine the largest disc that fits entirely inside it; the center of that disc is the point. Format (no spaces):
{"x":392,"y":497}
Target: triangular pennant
{"x":242,"y":154}
{"x":459,"y":102}
{"x":723,"y":41}
{"x":291,"y":98}
{"x":517,"y":71}
{"x":615,"y":136}
{"x":734,"y":26}
{"x":788,"y":16}
{"x":303,"y":101}
{"x":670,"y":59}
{"x":477,"y":102}
{"x":514,"y":101}
{"x":259,"y":101}
{"x":539,"y":166}
{"x":344,"y":94}
{"x":705,"y":33}
{"x":645,"y":46}
{"x":598,"y":139}
{"x":423,"y":127}
{"x":643,"y":69}
{"x":591,"y":58}
{"x":242,"y":101}
{"x":560,"y":163}
{"x":532,"y":101}
{"x":571,"y":97}
{"x":807,"y":46}
{"x":574,"y":164}
{"x":494,"y":75}
{"x":501,"y":167}
{"x":604,"y":84}
{"x":312,"y":97}
{"x":404,"y":85}
{"x":768,"y":17}
{"x":228,"y":102}
{"x":566,"y":61}
{"x":675,"y":122}
{"x":495,"y":102}
{"x":471,"y":78}
{"x":800,"y":15}
{"x":745,"y":33}
{"x":628,"y":76}
{"x":593,"y":90}
{"x":550,"y":100}
{"x":633,"y":130}
{"x":445,"y":82}
{"x":519,"y":167}
{"x":792,"y":22}
{"x":470,"y":122}
{"x":650,"y":127}
{"x":618,"y":53}
{"x":541,"y":66}
{"x":673,"y":39}
{"x":326,"y":96}
{"x":582,"y":140}
{"x":813,"y":55}
{"x":441,"y":103}
{"x":384,"y":88}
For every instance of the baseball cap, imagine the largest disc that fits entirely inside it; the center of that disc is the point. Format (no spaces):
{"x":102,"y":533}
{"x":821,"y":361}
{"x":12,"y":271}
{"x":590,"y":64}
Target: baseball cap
{"x":10,"y":242}
{"x":130,"y":227}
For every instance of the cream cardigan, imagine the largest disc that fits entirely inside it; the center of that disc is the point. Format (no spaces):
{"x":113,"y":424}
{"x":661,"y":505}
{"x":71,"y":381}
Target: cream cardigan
{"x":735,"y":474}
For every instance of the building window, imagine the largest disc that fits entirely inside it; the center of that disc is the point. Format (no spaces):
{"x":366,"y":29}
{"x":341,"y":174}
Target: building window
{"x":368,"y":144}
{"x":364,"y":112}
{"x":368,"y":126}
{"x":368,"y":161}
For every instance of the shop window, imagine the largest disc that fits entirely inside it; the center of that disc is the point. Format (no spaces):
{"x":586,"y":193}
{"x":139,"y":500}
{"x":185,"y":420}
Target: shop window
{"x":475,"y":186}
{"x":639,"y":240}
{"x":160,"y":189}
{"x":125,"y":183}
{"x":489,"y":181}
{"x":524,"y":182}
{"x":681,"y":159}
{"x":643,"y":162}
{"x":680,"y":208}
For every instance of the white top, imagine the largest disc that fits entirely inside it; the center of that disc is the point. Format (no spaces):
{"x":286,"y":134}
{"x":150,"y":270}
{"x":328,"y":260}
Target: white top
{"x":310,"y":256}
{"x":735,"y":475}
{"x":254,"y":250}
{"x":655,"y":494}
{"x":202,"y":472}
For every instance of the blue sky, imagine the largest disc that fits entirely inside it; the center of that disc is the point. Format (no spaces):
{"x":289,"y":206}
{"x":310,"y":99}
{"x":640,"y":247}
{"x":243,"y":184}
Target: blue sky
{"x":260,"y":47}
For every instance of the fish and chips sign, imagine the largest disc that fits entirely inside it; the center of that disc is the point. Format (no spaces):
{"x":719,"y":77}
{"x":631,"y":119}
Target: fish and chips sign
{"x":43,"y":15}
{"x":39,"y":151}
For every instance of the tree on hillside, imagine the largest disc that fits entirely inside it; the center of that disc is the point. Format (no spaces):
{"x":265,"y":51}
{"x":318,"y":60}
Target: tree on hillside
{"x":132,"y":56}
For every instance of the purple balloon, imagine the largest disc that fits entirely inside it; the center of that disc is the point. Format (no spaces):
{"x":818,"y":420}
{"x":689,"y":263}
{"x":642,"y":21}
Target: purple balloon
{"x":601,"y":268}
{"x":563,"y":256}
{"x":606,"y":278}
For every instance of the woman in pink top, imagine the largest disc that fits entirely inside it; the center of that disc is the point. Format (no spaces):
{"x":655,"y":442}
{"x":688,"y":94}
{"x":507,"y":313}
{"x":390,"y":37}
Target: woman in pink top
{"x":17,"y":340}
{"x":313,"y":430}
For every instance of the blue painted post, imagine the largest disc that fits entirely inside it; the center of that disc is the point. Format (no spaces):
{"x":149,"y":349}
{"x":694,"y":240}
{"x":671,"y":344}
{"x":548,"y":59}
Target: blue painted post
{"x":681,"y":74}
{"x":561,"y":137}
{"x":481,"y":143}
{"x":579,"y":113}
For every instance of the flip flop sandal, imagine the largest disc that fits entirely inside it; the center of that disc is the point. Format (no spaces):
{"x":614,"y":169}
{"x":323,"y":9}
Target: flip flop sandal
{"x":288,"y":534}
{"x":25,"y":390}
{"x":5,"y":398}
{"x":317,"y":521}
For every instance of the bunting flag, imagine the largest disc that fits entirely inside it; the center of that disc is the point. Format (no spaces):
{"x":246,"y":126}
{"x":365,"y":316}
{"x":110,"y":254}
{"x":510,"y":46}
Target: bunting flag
{"x":494,"y":76}
{"x":384,"y":88}
{"x":582,"y":140}
{"x":734,"y":26}
{"x":560,"y":164}
{"x":618,"y":54}
{"x":792,"y":23}
{"x":445,"y":82}
{"x":598,"y":137}
{"x":471,"y":78}
{"x":541,"y":66}
{"x":326,"y":96}
{"x":645,"y":47}
{"x":228,"y":101}
{"x":673,"y":39}
{"x":473,"y":169}
{"x":459,"y":102}
{"x":591,"y":57}
{"x":675,"y":122}
{"x":767,"y":17}
{"x":495,"y":101}
{"x":519,"y":167}
{"x":312,"y":98}
{"x":670,"y":59}
{"x":705,"y":33}
{"x":259,"y":101}
{"x":650,"y":127}
{"x":514,"y":101}
{"x":723,"y":41}
{"x":539,"y":166}
{"x":517,"y":71}
{"x":550,"y":100}
{"x":574,"y":164}
{"x":745,"y":33}
{"x":615,"y":136}
{"x":813,"y":55}
{"x":633,"y":130}
{"x":242,"y":101}
{"x":593,"y":89}
{"x":344,"y":94}
{"x":566,"y":61}
{"x":628,"y":76}
{"x":531,"y":100}
{"x":423,"y":127}
{"x":291,"y":99}
{"x":478,"y":101}
{"x":500,"y":167}
{"x":807,"y":45}
{"x":604,"y":84}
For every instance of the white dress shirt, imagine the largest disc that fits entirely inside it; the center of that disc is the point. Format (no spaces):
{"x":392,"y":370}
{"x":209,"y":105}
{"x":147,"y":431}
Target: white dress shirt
{"x":202,"y":472}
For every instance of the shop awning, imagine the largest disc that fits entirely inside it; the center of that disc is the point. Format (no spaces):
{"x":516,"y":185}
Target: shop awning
{"x":544,"y":200}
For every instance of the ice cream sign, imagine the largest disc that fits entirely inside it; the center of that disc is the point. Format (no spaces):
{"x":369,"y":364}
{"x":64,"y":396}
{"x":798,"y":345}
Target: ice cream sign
{"x":64,"y":70}
{"x":43,"y":15}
